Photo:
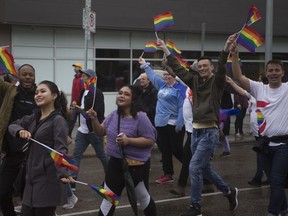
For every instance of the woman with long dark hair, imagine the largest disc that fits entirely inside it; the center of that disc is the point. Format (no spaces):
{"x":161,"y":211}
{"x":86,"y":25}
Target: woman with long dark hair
{"x":131,"y":131}
{"x":43,"y":187}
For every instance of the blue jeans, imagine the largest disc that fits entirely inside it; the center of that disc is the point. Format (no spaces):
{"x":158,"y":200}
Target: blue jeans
{"x":204,"y":142}
{"x":276,"y":168}
{"x":82,"y":141}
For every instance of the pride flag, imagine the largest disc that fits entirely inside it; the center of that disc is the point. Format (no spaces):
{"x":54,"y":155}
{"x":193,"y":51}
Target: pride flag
{"x":58,"y":158}
{"x":229,"y":62}
{"x":250,"y":39}
{"x":172,"y":48}
{"x":108,"y":195}
{"x":163,"y":20}
{"x":253,"y":15}
{"x":90,"y":84}
{"x":7,"y":62}
{"x":78,"y":109}
{"x":151,"y":46}
{"x":182,"y":62}
{"x":60,"y":161}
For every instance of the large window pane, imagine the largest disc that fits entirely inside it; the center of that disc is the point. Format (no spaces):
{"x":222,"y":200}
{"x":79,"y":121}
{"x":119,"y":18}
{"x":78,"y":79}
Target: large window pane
{"x":112,"y":53}
{"x":112,"y":74}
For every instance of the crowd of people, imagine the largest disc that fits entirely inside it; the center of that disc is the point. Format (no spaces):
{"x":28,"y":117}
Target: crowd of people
{"x":155,"y":111}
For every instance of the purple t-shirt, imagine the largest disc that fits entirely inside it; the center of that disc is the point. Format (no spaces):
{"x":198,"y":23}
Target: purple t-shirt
{"x":140,"y":126}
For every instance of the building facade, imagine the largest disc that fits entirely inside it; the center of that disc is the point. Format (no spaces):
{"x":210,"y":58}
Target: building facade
{"x":48,"y":34}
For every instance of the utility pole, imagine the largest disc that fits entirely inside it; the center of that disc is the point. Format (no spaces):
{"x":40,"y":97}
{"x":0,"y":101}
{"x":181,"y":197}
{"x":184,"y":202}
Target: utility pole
{"x":89,"y":25}
{"x":269,"y":30}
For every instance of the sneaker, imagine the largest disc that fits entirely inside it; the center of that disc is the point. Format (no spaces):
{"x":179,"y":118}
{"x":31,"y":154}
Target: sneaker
{"x":238,"y":134}
{"x":71,"y":202}
{"x":232,"y":197}
{"x":179,"y":191}
{"x":255,"y":183}
{"x":17,"y":209}
{"x":165,"y":179}
{"x":73,"y":186}
{"x":225,"y":154}
{"x":193,"y":211}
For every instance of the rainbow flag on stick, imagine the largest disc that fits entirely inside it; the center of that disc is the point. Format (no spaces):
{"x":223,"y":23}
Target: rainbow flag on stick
{"x":7,"y":62}
{"x":59,"y":158}
{"x":78,"y":109}
{"x":108,"y":195}
{"x":182,"y":62}
{"x":229,"y":62}
{"x":151,"y":46}
{"x":163,"y":20}
{"x":172,"y":48}
{"x":253,"y":15}
{"x":250,"y":39}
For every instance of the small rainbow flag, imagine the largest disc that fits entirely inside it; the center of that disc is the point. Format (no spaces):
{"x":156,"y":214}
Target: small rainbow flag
{"x":108,"y":195}
{"x":58,"y":158}
{"x":7,"y":62}
{"x":172,"y":48}
{"x":182,"y":62}
{"x":151,"y":46}
{"x":229,"y":62}
{"x":250,"y":39}
{"x":163,"y":20}
{"x":60,"y":161}
{"x":253,"y":15}
{"x":90,"y":84}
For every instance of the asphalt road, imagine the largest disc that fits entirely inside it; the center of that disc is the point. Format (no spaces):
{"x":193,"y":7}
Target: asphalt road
{"x":237,"y":170}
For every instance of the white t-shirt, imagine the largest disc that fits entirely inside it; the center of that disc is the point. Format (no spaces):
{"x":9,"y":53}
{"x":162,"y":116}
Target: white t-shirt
{"x":272,"y":109}
{"x":187,"y":111}
{"x":253,"y":115}
{"x":83,"y":126}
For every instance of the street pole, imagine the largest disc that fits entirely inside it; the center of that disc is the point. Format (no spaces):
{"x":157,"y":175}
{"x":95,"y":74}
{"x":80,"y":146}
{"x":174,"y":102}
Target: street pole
{"x":269,"y":30}
{"x":203,"y":38}
{"x":86,"y":11}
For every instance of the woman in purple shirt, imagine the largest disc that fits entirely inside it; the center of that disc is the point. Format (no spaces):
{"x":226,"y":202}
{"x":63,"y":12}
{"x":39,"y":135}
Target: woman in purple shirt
{"x":133,"y":131}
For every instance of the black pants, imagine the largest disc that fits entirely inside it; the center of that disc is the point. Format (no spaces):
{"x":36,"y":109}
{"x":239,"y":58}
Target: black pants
{"x":239,"y":121}
{"x":115,"y":181}
{"x":9,"y":170}
{"x":45,"y":211}
{"x":187,"y":155}
{"x":171,"y":144}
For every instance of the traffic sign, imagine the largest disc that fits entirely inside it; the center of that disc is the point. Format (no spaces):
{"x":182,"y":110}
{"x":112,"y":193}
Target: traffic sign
{"x":92,"y":21}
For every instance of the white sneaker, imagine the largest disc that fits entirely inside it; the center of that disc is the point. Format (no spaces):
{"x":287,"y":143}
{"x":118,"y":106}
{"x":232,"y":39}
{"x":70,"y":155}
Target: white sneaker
{"x":17,"y":209}
{"x":71,"y":202}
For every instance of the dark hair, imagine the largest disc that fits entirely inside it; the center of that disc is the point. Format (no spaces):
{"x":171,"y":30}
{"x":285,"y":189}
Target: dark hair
{"x":205,"y":58}
{"x":135,"y":105}
{"x":60,"y":102}
{"x":277,"y":62}
{"x":24,"y":66}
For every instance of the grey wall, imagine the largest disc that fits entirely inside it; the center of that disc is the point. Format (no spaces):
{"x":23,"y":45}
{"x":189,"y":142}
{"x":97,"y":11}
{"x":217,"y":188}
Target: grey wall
{"x":221,"y":16}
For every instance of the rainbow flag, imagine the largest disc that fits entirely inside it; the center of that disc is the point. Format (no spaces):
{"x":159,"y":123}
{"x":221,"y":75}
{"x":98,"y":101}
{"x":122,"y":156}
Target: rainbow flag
{"x":253,"y":15}
{"x":250,"y":39}
{"x":90,"y":84}
{"x":108,"y":195}
{"x":172,"y":48}
{"x":60,"y":161}
{"x":229,"y":62}
{"x":7,"y":62}
{"x":182,"y":62}
{"x":163,"y":20}
{"x":151,"y":46}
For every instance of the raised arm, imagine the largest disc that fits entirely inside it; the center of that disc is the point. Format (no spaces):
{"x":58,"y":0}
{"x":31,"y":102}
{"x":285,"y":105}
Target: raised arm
{"x":236,"y":69}
{"x":236,"y":87}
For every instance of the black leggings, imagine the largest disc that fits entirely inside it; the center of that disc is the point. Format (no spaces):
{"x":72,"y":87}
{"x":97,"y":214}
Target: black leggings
{"x":115,"y":182}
